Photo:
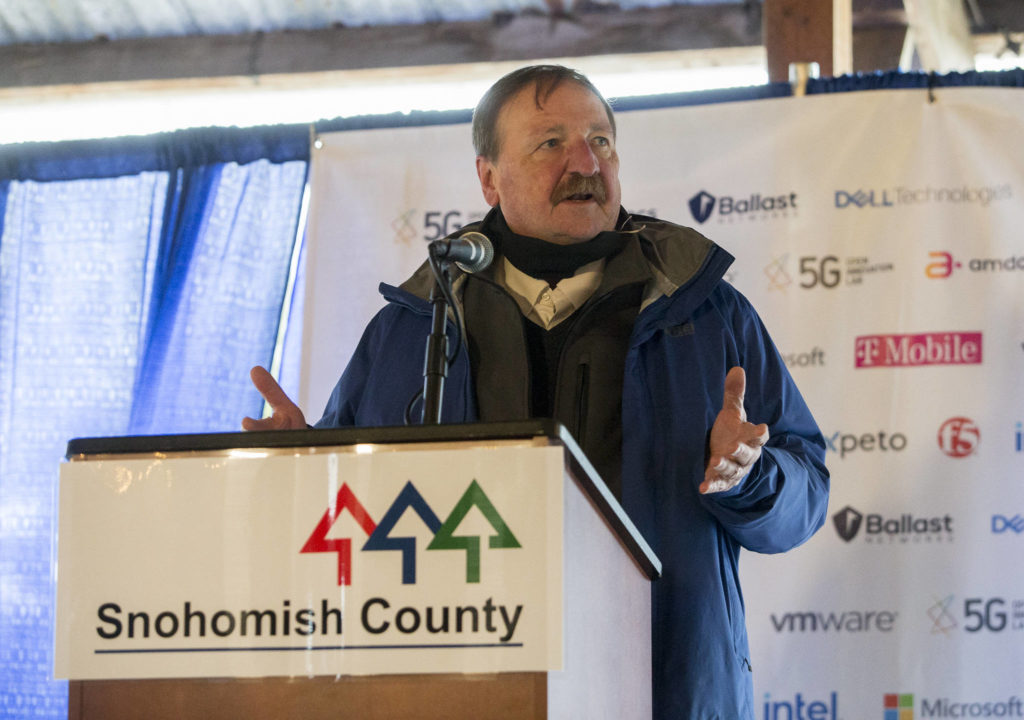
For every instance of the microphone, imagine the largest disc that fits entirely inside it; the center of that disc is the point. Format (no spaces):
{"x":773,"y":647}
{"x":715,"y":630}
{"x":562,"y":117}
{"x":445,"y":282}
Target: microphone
{"x":472,"y":251}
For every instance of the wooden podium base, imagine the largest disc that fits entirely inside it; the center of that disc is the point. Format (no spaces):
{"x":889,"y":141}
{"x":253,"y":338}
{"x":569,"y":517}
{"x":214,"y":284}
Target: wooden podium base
{"x":505,"y":696}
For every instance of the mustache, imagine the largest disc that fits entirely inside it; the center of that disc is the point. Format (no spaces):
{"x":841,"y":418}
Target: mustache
{"x":576,"y":184}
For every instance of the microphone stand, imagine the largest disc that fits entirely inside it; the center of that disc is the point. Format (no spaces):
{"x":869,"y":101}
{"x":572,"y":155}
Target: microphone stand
{"x":435,"y":363}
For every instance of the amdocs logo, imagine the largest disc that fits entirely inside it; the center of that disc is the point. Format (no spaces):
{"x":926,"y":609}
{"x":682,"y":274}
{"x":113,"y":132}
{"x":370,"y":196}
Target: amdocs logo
{"x":380,"y":533}
{"x":936,"y":348}
{"x":943,"y":264}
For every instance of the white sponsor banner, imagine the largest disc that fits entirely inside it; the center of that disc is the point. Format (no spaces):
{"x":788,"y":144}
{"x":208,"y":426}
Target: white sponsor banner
{"x":877,"y":233}
{"x":413,"y":561}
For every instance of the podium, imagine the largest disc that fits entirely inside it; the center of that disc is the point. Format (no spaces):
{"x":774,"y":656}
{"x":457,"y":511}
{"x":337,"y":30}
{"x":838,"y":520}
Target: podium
{"x":450,"y":571}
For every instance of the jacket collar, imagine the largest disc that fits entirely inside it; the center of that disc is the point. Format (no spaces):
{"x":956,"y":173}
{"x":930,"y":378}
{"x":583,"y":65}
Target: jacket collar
{"x":670,"y":257}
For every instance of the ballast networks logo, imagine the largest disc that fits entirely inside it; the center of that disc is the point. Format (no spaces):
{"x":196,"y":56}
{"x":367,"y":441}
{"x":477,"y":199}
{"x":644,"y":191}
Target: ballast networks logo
{"x":881,"y":529}
{"x":380,"y":538}
{"x":729,"y":208}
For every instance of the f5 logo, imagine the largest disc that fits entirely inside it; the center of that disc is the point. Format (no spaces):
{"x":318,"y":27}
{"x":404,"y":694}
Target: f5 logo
{"x":959,"y":437}
{"x":380,"y":533}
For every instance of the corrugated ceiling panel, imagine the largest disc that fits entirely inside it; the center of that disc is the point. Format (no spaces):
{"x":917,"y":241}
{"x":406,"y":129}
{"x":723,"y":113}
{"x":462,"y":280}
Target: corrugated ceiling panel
{"x":32,"y":21}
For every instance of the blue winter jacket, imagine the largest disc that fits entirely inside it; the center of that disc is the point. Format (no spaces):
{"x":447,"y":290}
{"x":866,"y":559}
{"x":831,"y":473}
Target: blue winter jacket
{"x":692,"y":328}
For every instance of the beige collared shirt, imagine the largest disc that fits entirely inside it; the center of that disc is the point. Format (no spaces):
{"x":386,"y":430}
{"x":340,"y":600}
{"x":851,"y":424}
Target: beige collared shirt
{"x":545,"y":305}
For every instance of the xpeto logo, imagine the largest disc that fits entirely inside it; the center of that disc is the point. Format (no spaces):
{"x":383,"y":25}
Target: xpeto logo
{"x":380,"y":533}
{"x":843,"y":443}
{"x":898,"y":706}
{"x":959,"y":437}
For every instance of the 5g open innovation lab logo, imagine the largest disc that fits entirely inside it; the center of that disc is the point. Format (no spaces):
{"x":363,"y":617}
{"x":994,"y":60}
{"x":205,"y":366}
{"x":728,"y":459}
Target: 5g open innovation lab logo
{"x":379,"y":533}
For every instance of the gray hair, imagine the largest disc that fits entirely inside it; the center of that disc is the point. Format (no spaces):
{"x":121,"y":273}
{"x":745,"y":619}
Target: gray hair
{"x":545,"y":79}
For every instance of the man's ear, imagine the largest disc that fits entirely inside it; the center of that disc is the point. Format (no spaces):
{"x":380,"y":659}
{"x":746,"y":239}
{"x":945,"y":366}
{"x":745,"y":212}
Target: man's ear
{"x":486,"y":171}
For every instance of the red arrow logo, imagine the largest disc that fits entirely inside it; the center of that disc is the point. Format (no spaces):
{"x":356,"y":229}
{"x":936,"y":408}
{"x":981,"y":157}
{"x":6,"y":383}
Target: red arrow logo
{"x":319,"y":542}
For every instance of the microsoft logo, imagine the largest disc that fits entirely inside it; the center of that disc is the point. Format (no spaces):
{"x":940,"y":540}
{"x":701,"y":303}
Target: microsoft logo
{"x":898,"y":706}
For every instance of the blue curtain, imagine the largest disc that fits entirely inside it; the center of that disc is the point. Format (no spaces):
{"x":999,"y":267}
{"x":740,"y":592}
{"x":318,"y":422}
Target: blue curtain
{"x":139,"y":280}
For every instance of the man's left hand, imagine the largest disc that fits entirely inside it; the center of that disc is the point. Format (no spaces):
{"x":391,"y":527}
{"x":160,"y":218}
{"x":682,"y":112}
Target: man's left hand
{"x":735,"y":443}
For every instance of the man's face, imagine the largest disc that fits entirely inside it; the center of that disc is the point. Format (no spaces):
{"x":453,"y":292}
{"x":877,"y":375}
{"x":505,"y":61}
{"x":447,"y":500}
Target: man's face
{"x":557,"y":173}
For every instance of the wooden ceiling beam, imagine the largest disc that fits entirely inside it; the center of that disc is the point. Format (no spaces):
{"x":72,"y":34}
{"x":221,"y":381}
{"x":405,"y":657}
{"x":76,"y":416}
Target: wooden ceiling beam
{"x":798,"y":32}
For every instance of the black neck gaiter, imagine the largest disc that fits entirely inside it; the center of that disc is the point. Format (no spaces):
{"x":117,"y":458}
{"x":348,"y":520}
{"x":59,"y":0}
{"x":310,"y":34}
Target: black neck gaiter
{"x":544,"y":260}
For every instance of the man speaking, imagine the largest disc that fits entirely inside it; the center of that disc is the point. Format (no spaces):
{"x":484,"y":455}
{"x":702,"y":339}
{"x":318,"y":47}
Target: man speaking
{"x":622,"y":328}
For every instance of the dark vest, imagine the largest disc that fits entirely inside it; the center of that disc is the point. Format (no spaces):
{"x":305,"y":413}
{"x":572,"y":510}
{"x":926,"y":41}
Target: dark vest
{"x":583,"y":358}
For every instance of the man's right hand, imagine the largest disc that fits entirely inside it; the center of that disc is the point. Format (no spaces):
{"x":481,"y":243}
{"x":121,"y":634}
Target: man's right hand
{"x":285,"y":414}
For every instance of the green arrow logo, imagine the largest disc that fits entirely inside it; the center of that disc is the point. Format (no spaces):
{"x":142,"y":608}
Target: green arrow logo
{"x":445,"y":540}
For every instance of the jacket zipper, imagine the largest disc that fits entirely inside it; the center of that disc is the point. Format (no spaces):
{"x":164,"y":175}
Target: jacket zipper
{"x":582,"y":397}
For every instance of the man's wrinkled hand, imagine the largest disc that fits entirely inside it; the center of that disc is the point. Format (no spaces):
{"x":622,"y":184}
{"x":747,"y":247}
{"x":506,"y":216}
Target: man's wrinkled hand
{"x":285,"y":415}
{"x":735,"y":444}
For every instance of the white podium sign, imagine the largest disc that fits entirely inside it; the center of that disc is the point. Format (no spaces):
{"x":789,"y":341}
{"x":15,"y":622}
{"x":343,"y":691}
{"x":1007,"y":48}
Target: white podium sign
{"x":324,"y":561}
